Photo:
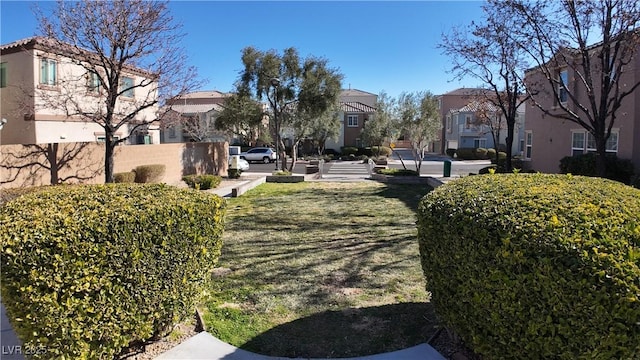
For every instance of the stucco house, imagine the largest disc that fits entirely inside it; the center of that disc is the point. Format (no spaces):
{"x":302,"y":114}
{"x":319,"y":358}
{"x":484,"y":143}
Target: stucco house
{"x":548,"y":139}
{"x":196,"y":113}
{"x":452,"y":100}
{"x":35,"y":83}
{"x":356,"y":108}
{"x":464,"y":127}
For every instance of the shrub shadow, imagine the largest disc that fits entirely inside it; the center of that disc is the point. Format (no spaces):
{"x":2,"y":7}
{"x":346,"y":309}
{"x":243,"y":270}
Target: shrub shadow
{"x":349,"y":332}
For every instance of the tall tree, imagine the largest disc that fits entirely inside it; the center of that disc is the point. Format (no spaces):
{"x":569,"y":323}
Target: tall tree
{"x":384,"y":125}
{"x":420,"y":122}
{"x":596,"y":43}
{"x":131,"y":59}
{"x":299,"y":91}
{"x":489,"y":54}
{"x":241,"y":116}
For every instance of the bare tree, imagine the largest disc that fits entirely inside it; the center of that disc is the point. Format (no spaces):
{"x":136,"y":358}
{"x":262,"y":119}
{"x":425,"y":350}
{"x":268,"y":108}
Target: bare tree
{"x":582,"y":52}
{"x":130,"y":60}
{"x":489,"y":54}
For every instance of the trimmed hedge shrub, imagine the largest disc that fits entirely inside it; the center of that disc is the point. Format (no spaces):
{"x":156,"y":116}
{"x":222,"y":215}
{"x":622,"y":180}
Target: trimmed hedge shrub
{"x":149,"y":173}
{"x":481,"y":153}
{"x":491,"y":154}
{"x":202,"y":182}
{"x":348,"y":150}
{"x":381,"y":151}
{"x":534,"y":266}
{"x":585,"y":164}
{"x":466,"y":153}
{"x":398,"y":172}
{"x":89,"y":270}
{"x":124,"y":177}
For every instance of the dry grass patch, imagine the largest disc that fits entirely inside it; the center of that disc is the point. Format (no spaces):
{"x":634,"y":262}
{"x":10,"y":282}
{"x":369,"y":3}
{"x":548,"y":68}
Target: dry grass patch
{"x":321,"y":270}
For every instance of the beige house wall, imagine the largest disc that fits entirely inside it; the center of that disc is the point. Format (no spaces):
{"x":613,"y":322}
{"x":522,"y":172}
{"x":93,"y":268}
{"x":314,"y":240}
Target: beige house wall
{"x":37,"y":113}
{"x":86,"y":162}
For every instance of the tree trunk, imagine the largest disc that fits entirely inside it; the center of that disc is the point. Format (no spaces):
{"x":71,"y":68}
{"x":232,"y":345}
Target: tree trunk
{"x":294,"y":156}
{"x":52,"y":156}
{"x":109,"y":149}
{"x":508,"y":166}
{"x":601,"y":158}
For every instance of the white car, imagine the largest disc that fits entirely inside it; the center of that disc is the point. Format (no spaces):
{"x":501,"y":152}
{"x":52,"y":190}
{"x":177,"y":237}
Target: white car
{"x":242,"y":163}
{"x":262,"y":154}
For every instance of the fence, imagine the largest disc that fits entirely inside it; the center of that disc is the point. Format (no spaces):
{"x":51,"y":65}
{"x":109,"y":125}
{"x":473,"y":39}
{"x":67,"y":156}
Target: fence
{"x":43,"y":164}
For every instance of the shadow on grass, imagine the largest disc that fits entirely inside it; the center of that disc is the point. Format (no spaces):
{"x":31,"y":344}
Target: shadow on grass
{"x":409,"y":194}
{"x":349,"y":332}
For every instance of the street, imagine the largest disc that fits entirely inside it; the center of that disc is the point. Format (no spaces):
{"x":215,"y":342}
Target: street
{"x":429,"y":167}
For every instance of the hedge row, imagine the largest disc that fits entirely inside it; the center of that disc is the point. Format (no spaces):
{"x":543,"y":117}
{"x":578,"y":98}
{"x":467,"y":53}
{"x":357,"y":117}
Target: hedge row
{"x":534,"y":266}
{"x":89,"y":270}
{"x":203,"y":182}
{"x":585,"y":164}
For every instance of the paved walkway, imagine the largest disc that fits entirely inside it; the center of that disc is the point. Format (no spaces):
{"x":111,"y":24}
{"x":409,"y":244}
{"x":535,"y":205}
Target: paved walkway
{"x":207,"y":347}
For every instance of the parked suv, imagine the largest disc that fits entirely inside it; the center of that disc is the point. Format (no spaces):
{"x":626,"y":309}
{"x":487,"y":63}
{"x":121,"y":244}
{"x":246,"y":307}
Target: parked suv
{"x":263,"y":154}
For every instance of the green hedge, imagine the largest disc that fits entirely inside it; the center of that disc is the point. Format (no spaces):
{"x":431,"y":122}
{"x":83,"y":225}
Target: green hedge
{"x":202,"y":182}
{"x":585,"y":164}
{"x":149,"y":173}
{"x":466,"y":154}
{"x":534,"y":266}
{"x":124,"y":177}
{"x":89,"y":270}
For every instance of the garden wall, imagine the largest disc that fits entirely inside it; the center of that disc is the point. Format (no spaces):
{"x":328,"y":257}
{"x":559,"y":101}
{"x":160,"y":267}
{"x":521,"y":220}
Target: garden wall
{"x":43,"y":164}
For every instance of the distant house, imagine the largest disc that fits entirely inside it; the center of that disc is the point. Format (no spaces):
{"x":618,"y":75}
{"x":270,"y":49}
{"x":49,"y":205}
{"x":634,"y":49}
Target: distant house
{"x":464,"y":127}
{"x":356,"y":108}
{"x":195,"y":117}
{"x":453,"y":100}
{"x":549,"y":139}
{"x":31,"y":76}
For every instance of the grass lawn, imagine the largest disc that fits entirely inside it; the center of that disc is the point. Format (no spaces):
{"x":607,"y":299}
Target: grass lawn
{"x":319,"y":269}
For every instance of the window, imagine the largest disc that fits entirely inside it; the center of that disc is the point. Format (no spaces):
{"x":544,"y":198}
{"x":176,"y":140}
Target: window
{"x":448,"y":123}
{"x":467,"y":122}
{"x":93,"y":82}
{"x":352,"y":120}
{"x":48,"y":70}
{"x":563,"y":83}
{"x":583,"y":142}
{"x":528,"y":144}
{"x":480,"y":143}
{"x":3,"y":74}
{"x":172,"y":132}
{"x":103,"y":138}
{"x":126,"y":86}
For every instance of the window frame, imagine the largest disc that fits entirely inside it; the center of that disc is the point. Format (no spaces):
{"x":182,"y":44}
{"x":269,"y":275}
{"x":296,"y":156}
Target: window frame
{"x":588,"y":142}
{"x":3,"y":74}
{"x":45,"y":77}
{"x":480,"y":142}
{"x":563,"y":86}
{"x":528,"y":144}
{"x":352,"y":120}
{"x":93,"y":83}
{"x":127,"y":91}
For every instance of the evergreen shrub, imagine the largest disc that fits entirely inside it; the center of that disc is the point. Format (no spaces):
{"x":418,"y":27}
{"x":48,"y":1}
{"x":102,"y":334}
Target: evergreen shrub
{"x":124,"y":177}
{"x":202,"y":182}
{"x":535,"y":266}
{"x":450,"y":152}
{"x":149,"y":173}
{"x":89,"y":270}
{"x":466,"y":154}
{"x":585,"y":164}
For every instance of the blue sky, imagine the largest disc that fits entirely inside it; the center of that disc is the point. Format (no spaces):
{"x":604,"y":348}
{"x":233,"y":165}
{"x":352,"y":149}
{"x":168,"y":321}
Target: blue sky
{"x":377,"y":45}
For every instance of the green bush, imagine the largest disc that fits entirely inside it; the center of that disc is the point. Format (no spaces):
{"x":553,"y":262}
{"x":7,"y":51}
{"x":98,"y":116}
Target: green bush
{"x":585,"y":164}
{"x":7,"y":195}
{"x":202,"y":182}
{"x":534,"y":266}
{"x":149,"y":173}
{"x":450,"y":152}
{"x":466,"y":154}
{"x":481,"y":153}
{"x":89,"y":270}
{"x":381,"y":151}
{"x":124,"y":177}
{"x":398,"y":172}
{"x":348,"y":150}
{"x":234,"y":173}
{"x":491,"y":154}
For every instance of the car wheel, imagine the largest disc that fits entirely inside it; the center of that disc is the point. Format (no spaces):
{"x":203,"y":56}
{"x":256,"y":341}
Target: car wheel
{"x":266,"y":160}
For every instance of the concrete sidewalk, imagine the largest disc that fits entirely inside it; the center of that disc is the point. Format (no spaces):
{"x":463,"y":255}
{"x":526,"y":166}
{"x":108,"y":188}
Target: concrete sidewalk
{"x":207,"y":347}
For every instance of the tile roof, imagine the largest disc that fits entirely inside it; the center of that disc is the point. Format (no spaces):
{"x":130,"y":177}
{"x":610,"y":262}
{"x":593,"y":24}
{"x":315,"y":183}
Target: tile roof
{"x":467,"y":91}
{"x":474,"y":106}
{"x":195,"y":108}
{"x":354,"y":106}
{"x":206,"y":94}
{"x":355,"y":92}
